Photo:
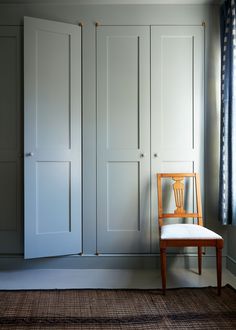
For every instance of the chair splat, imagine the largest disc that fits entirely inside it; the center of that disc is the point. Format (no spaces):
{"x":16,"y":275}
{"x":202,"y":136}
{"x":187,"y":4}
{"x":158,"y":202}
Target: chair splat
{"x":178,"y":187}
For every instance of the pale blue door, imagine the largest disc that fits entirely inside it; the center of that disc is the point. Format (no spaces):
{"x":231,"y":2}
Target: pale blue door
{"x":52,"y":141}
{"x":123,"y":139}
{"x":177,"y":108}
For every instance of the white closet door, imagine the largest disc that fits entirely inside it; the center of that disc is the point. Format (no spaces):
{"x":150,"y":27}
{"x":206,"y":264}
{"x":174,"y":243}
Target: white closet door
{"x":177,"y":105}
{"x":123,"y":139}
{"x":52,"y":71}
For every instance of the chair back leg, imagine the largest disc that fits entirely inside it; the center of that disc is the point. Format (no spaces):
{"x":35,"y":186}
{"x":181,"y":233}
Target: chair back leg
{"x":163,"y":269}
{"x":199,"y":260}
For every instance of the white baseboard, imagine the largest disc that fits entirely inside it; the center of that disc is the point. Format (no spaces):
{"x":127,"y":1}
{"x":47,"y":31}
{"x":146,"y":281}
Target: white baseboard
{"x":17,"y":262}
{"x":45,"y":279}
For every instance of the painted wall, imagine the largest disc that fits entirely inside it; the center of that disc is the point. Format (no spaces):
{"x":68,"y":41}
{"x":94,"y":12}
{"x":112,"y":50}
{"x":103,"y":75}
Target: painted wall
{"x":127,"y":15}
{"x":231,"y":260}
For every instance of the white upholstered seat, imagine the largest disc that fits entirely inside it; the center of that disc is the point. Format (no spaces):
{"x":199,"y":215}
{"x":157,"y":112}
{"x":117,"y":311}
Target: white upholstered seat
{"x":187,"y":231}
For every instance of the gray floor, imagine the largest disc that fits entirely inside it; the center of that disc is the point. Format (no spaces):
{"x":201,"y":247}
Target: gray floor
{"x":108,"y":278}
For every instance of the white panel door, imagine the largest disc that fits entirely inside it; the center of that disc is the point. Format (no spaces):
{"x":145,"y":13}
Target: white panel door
{"x":52,"y":70}
{"x":123,"y":139}
{"x":177,"y":105}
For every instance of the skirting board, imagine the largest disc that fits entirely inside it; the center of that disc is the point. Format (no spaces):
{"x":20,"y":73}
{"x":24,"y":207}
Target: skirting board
{"x":34,"y":279}
{"x":231,"y":265}
{"x":14,"y":262}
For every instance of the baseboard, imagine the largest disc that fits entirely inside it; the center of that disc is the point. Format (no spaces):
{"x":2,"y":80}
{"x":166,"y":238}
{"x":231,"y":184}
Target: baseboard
{"x":231,"y":265}
{"x":106,"y":279}
{"x":187,"y":261}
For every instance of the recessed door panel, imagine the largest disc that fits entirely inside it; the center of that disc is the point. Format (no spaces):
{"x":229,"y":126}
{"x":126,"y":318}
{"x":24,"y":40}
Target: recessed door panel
{"x":177,"y":54}
{"x":53,"y":197}
{"x":8,"y":196}
{"x":9,"y":98}
{"x":53,"y":64}
{"x":123,"y":93}
{"x":123,"y":189}
{"x":123,"y":141}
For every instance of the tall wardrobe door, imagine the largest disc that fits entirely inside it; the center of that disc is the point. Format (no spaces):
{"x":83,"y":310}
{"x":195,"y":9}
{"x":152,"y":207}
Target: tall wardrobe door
{"x":52,"y":64}
{"x":10,"y":141}
{"x":123,"y":139}
{"x":177,"y":106}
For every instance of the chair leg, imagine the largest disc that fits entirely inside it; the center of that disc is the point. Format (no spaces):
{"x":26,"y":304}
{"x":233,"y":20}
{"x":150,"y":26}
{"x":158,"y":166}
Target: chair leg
{"x":163,"y":269}
{"x":199,"y":260}
{"x":219,"y":268}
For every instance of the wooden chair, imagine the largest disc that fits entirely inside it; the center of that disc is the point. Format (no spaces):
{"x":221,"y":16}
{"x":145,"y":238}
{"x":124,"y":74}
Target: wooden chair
{"x":181,"y":235}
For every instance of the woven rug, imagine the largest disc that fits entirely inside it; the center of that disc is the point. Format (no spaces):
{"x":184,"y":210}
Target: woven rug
{"x":190,"y":308}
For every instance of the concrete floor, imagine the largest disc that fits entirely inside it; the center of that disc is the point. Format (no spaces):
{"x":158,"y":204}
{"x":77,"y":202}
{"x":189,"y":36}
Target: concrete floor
{"x":108,"y":278}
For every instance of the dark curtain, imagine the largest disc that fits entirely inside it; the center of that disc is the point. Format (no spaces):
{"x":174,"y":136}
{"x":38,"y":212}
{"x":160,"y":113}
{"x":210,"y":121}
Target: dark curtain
{"x":227,"y":202}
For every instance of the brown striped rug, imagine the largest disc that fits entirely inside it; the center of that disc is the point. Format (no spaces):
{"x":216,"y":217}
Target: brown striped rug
{"x":190,"y":308}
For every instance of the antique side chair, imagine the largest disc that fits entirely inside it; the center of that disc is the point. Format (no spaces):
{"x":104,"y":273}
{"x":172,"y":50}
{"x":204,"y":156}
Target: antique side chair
{"x":185,"y":234}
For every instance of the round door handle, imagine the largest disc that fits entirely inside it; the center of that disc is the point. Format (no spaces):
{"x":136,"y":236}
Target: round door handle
{"x":142,"y":155}
{"x":155,"y":155}
{"x":30,"y":154}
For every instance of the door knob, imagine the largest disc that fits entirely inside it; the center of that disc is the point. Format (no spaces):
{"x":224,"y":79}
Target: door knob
{"x":142,"y":155}
{"x":155,"y":155}
{"x":29,"y":154}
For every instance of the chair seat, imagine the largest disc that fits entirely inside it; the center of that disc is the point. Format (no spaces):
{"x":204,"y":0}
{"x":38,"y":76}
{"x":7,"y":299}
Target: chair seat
{"x":187,"y":231}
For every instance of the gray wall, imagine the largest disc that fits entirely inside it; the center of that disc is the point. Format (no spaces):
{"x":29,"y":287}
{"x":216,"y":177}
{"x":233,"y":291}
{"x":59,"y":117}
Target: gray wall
{"x":128,"y":15}
{"x":231,"y":260}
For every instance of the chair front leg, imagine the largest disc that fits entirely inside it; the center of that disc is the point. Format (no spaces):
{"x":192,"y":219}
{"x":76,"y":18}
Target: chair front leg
{"x":163,"y":269}
{"x":219,"y":268}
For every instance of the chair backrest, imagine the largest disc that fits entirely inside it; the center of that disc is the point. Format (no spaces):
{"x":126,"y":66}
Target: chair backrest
{"x":179,"y":189}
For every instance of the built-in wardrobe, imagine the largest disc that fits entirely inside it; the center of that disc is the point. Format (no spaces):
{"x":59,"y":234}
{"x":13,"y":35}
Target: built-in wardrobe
{"x":148,"y":92}
{"x":149,"y":117}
